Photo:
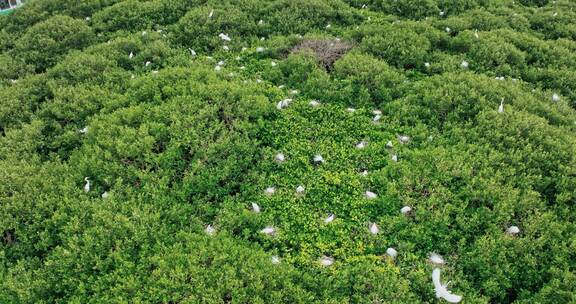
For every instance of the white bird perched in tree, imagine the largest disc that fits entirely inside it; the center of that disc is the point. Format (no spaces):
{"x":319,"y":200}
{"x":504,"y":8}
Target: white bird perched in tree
{"x":501,"y":107}
{"x":275,"y":260}
{"x":84,"y":130}
{"x":144,"y":33}
{"x":330,"y":218}
{"x":442,"y":289}
{"x":273,"y":63}
{"x":370,"y":195}
{"x":389,"y":144}
{"x":364,"y":6}
{"x":259,"y":49}
{"x":147,"y":63}
{"x":501,"y":78}
{"x":314,"y":103}
{"x":318,"y":159}
{"x":476,"y":34}
{"x":300,"y":189}
{"x":209,"y":230}
{"x":427,"y":64}
{"x":364,"y":173}
{"x":406,"y":210}
{"x":391,"y":252}
{"x":326,"y":261}
{"x":394,"y":157}
{"x":269,"y":191}
{"x":442,"y":13}
{"x":224,"y":37}
{"x":464,"y":64}
{"x":403,"y":139}
{"x":255,"y":208}
{"x":376,"y":118}
{"x":328,"y":26}
{"x":105,"y":195}
{"x":283,"y":103}
{"x":260,"y":22}
{"x":192,"y":52}
{"x":448,"y":30}
{"x":226,"y":48}
{"x":217,"y":68}
{"x":155,"y":72}
{"x":131,"y":55}
{"x":555,"y":97}
{"x":513,"y":230}
{"x":268,"y":230}
{"x":377,"y":112}
{"x":87,"y":185}
{"x":279,"y":158}
{"x":436,"y":259}
{"x":374,"y":228}
{"x":293,"y":92}
{"x":351,"y":110}
{"x":211,"y":14}
{"x":361,"y":145}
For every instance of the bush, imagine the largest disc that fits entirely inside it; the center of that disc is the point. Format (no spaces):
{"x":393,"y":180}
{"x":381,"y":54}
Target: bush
{"x":399,"y":47}
{"x":46,"y":42}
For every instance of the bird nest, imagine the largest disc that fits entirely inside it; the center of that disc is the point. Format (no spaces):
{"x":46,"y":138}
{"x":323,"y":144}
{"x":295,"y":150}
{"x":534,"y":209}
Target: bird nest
{"x":327,"y":51}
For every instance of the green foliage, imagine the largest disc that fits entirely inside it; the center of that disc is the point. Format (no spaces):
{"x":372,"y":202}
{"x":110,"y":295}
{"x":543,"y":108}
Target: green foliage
{"x":46,"y":42}
{"x":177,"y":129}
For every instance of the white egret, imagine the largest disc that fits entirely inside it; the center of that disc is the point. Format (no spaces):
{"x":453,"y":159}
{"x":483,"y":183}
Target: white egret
{"x":279,"y":158}
{"x":131,"y":55}
{"x":300,"y":189}
{"x":351,"y":110}
{"x":361,"y":145}
{"x":209,"y":230}
{"x":318,"y":159}
{"x":87,"y":185}
{"x":259,"y":49}
{"x":314,"y":103}
{"x":406,"y":210}
{"x":255,"y":208}
{"x":513,"y":230}
{"x":391,"y":252}
{"x":211,"y":14}
{"x":105,"y":195}
{"x":260,"y":22}
{"x":555,"y":97}
{"x":283,"y":103}
{"x":389,"y":144}
{"x":330,"y":218}
{"x":501,"y":107}
{"x":370,"y":195}
{"x":273,"y":63}
{"x":427,"y":64}
{"x":403,"y":139}
{"x":436,"y":259}
{"x":442,"y":289}
{"x":224,"y":37}
{"x":448,"y":30}
{"x":394,"y":157}
{"x":268,"y":230}
{"x":275,"y":260}
{"x":84,"y":130}
{"x":147,"y":63}
{"x":374,"y":228}
{"x":270,"y":190}
{"x":326,"y":261}
{"x":226,"y":48}
{"x":364,"y":173}
{"x":464,"y":64}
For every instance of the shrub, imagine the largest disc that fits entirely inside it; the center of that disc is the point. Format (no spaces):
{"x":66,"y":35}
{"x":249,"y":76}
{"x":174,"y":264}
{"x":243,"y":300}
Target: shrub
{"x":399,"y":47}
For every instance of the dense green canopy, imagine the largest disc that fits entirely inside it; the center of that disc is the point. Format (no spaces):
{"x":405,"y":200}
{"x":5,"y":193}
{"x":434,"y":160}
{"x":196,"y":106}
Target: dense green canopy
{"x":177,"y":128}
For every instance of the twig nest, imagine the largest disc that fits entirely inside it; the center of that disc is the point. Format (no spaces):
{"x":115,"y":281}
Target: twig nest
{"x":255,"y":208}
{"x":268,"y":230}
{"x":513,"y":230}
{"x":370,"y":195}
{"x":275,"y":260}
{"x":270,"y":191}
{"x":279,"y":158}
{"x":326,"y":261}
{"x":209,"y":230}
{"x":391,"y":252}
{"x":373,"y":227}
{"x":555,"y":97}
{"x":406,"y":210}
{"x":318,"y":159}
{"x":330,"y":218}
{"x":436,"y":259}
